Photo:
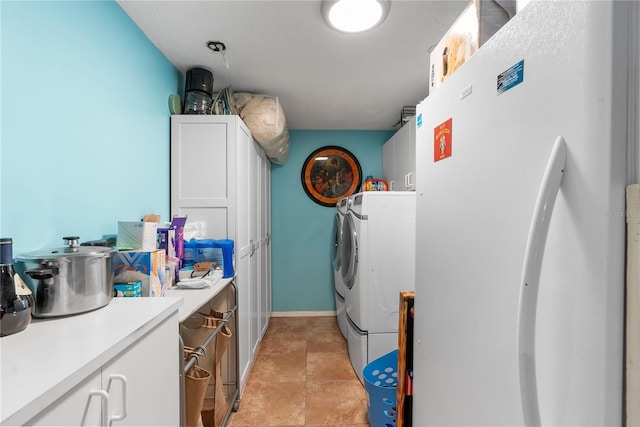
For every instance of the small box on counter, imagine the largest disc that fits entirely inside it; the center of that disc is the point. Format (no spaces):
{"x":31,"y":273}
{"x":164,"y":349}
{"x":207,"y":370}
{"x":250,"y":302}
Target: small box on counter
{"x":128,"y":289}
{"x":137,"y":235}
{"x":148,"y":267}
{"x":166,"y":240}
{"x":476,"y":24}
{"x":178,"y":222}
{"x":171,"y":272}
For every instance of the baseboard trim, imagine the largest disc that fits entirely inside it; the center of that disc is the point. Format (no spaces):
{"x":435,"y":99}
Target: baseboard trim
{"x":302,"y":313}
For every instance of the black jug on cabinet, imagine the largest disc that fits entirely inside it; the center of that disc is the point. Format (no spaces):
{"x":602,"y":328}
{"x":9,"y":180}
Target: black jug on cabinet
{"x":198,"y":91}
{"x":16,"y":301}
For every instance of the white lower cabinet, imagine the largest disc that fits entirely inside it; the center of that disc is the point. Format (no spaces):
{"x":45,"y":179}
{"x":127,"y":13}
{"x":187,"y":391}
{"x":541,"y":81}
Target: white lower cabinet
{"x":138,"y":387}
{"x":152,"y":387}
{"x":82,"y":406}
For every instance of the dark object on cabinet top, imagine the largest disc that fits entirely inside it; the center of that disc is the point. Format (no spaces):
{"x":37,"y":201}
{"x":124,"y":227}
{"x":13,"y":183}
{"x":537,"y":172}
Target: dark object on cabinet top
{"x":108,"y":242}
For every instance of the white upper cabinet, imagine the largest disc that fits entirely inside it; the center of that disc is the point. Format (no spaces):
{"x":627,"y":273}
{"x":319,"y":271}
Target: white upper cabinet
{"x":399,"y":158}
{"x":217,"y":178}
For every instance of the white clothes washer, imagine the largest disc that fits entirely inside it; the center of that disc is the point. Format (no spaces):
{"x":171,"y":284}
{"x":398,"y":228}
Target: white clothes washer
{"x":377,"y":262}
{"x":340,"y":286}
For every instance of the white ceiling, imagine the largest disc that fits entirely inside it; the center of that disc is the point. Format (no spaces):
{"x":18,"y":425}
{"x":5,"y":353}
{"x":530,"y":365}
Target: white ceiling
{"x":323,"y":79}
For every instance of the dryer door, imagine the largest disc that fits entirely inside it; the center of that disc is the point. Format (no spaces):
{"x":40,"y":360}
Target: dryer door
{"x":337,"y":242}
{"x":349,"y":251}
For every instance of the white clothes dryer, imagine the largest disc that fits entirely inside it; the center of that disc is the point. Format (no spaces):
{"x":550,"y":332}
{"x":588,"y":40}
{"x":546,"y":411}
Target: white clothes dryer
{"x":377,"y":262}
{"x":340,"y":286}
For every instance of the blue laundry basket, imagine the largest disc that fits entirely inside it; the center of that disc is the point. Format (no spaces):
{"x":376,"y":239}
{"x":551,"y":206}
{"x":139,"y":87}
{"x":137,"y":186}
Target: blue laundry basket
{"x":381,"y":382}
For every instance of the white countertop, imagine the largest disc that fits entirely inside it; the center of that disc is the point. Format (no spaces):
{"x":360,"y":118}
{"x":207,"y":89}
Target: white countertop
{"x":51,"y":356}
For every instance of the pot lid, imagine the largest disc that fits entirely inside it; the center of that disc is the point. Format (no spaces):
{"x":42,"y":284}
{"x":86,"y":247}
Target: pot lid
{"x":72,"y":250}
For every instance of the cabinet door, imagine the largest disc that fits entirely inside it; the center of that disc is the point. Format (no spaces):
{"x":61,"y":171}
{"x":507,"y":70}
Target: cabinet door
{"x":244,"y":341}
{"x":143,"y":382}
{"x":399,"y":158}
{"x":244,"y":248}
{"x":201,"y":156}
{"x":241,"y":175}
{"x":265,"y":236}
{"x":405,"y":156}
{"x":410,"y":171}
{"x":79,"y":407}
{"x":402,"y":158}
{"x":254,"y":221}
{"x":388,"y":164}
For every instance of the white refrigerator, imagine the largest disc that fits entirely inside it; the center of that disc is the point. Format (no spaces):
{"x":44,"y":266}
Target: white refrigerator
{"x":521,"y":167}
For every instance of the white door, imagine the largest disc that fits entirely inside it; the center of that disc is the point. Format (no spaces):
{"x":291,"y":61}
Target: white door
{"x":243,"y":254}
{"x":265,"y":271}
{"x":475,"y":209}
{"x":254,"y":233}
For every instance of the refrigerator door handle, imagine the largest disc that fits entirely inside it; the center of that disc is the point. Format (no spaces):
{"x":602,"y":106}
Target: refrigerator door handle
{"x":530,"y":281}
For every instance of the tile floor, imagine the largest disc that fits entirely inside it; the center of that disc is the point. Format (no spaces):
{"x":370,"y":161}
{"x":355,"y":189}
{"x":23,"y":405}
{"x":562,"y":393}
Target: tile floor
{"x":302,"y":376}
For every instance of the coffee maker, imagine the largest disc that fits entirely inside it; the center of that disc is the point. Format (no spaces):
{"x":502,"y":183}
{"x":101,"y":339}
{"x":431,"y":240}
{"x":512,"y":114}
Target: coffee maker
{"x":198,"y":91}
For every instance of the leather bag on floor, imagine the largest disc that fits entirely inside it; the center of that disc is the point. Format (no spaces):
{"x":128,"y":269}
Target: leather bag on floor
{"x":196,"y":380}
{"x":194,"y":333}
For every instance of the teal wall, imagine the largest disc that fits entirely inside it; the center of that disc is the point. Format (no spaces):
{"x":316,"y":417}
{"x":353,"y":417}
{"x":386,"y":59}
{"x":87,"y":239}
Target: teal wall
{"x":302,"y":275}
{"x":85,"y":122}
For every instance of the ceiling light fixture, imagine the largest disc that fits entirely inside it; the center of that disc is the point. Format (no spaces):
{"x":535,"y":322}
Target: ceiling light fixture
{"x":354,"y":16}
{"x":216,"y":46}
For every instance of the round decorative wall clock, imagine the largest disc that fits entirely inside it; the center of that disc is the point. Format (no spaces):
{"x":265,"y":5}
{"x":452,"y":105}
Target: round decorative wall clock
{"x":329,"y":174}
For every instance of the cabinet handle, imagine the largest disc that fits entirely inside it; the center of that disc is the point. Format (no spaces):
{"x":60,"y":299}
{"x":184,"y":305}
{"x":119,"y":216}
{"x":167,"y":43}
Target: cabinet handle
{"x":104,"y":396}
{"x":255,"y":245}
{"x":122,"y":378}
{"x":408,"y":181}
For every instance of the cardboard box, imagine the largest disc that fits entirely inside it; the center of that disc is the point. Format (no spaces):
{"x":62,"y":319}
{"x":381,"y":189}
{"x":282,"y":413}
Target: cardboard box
{"x":171,"y":271}
{"x":148,"y":267}
{"x":480,"y":20}
{"x":166,"y":240}
{"x":129,"y":289}
{"x":137,"y":235}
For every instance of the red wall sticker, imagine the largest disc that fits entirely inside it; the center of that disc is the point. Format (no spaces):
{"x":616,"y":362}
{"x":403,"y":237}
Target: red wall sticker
{"x":442,"y":141}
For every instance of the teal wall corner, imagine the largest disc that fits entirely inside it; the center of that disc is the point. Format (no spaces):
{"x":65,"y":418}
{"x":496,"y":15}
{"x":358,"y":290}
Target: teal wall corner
{"x":302,"y":230}
{"x":85,"y":122}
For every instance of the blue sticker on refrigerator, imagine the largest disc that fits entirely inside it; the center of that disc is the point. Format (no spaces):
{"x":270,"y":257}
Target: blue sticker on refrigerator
{"x":511,"y":77}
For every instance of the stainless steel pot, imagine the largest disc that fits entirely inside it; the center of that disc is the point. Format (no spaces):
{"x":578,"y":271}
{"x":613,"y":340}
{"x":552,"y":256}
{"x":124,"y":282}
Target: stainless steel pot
{"x":69,"y":280}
